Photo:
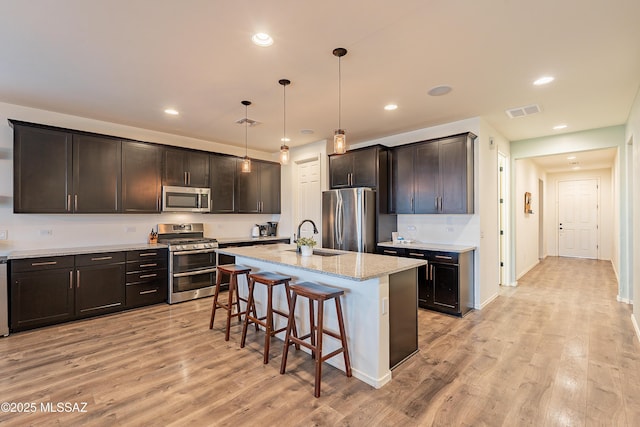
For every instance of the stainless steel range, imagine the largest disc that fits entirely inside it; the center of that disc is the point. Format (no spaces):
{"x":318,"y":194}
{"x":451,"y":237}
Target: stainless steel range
{"x":192,"y":261}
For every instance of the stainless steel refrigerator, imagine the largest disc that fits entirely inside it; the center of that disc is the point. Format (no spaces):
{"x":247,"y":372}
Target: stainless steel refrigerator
{"x":349,"y":219}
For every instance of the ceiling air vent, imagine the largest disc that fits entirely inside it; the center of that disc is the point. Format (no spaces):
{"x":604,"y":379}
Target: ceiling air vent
{"x":523,"y":111}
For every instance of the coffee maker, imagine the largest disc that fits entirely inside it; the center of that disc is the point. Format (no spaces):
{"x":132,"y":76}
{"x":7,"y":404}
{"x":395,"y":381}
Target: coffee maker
{"x":272,"y":228}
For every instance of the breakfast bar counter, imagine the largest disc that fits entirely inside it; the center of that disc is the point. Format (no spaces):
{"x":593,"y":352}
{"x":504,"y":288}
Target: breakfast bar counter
{"x":379,"y":304}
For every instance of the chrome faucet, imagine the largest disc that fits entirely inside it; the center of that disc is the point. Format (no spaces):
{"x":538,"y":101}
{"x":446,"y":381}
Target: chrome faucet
{"x":315,"y":229}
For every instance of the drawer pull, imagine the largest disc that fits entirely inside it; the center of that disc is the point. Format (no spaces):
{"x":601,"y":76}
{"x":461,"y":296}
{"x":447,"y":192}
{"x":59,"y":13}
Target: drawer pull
{"x":36,"y":264}
{"x":148,"y":265}
{"x":152,"y":291}
{"x":146,"y":276}
{"x":149,"y":254}
{"x":386,"y":251}
{"x":102,"y":258}
{"x":444,"y":257}
{"x":416,"y":254}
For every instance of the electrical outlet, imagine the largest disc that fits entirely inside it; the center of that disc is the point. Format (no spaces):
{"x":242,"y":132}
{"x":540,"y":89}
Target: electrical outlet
{"x":130,"y":229}
{"x":411,"y":228}
{"x":4,"y":234}
{"x":46,"y":232}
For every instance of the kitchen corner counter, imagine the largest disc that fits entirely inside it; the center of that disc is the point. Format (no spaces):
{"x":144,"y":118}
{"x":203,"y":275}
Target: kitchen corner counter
{"x":49,"y":252}
{"x":429,"y":246}
{"x":349,"y":265}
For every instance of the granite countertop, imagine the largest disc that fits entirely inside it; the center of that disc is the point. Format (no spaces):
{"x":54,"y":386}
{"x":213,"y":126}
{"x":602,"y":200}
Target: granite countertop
{"x":429,"y":246}
{"x":228,"y":240}
{"x":37,"y":253}
{"x":350,"y":265}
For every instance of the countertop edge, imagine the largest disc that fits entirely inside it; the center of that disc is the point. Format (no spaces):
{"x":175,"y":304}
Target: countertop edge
{"x":51,"y":252}
{"x":430,"y":246}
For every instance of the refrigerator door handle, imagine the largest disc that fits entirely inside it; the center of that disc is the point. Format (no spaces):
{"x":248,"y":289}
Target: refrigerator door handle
{"x":339,"y":221}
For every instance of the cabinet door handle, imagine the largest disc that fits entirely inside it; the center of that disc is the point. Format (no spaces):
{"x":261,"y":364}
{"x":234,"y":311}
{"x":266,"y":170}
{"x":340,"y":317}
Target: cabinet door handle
{"x":416,"y":254}
{"x":68,"y":202}
{"x":71,"y":279}
{"x":386,"y":251}
{"x":412,"y":202}
{"x":78,"y":279}
{"x":148,"y":265}
{"x":75,"y":202}
{"x":102,"y":258}
{"x":146,"y":276}
{"x":436,"y":202}
{"x":36,"y":264}
{"x":188,"y":178}
{"x":443,"y":257}
{"x":430,"y":272}
{"x":152,"y":291}
{"x":149,"y":254}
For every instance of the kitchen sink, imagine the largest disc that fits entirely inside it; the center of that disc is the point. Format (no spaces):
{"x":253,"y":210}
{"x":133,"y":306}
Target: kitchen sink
{"x":318,"y":252}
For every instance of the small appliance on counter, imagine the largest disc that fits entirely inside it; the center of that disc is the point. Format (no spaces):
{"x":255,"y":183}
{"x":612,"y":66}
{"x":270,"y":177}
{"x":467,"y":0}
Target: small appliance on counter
{"x":255,"y":231}
{"x":272,"y":228}
{"x":263,"y":229}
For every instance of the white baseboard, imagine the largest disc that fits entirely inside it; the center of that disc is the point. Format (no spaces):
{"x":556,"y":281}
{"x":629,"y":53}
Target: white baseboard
{"x":528,"y":269}
{"x":487,"y":302}
{"x":635,"y":326}
{"x":512,"y":284}
{"x":624,"y":300}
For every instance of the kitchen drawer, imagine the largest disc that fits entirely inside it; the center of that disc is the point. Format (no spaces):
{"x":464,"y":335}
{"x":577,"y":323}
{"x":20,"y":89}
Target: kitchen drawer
{"x":38,"y":264}
{"x":443,"y":257}
{"x":147,"y":254}
{"x":100,"y":258}
{"x":146,"y":276}
{"x":417,"y":253}
{"x":383,"y":250}
{"x":146,"y":264}
{"x":141,"y":294}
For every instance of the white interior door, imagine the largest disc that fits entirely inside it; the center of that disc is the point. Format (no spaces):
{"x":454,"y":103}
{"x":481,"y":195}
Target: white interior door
{"x":309,"y":197}
{"x":578,"y":218}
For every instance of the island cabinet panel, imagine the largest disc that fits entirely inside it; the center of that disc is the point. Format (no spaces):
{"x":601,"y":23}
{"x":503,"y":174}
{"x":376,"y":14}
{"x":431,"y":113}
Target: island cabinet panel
{"x":42,"y":170}
{"x":41,"y":292}
{"x":223,"y":183}
{"x":434,"y":177}
{"x":97,"y":165}
{"x":259,"y":190}
{"x":356,"y":168}
{"x":183,"y":167}
{"x":141,"y":177}
{"x":99,"y":283}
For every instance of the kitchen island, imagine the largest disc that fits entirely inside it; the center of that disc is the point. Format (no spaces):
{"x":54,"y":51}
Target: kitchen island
{"x":379,"y":304}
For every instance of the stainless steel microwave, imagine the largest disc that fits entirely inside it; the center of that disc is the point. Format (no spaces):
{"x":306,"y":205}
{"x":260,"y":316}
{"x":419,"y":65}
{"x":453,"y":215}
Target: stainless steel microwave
{"x":186,"y":199}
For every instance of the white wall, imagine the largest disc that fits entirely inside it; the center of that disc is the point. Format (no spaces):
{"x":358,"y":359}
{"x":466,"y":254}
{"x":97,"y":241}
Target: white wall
{"x":606,"y":209}
{"x":632,"y":136}
{"x":25,"y":231}
{"x":527,"y":177}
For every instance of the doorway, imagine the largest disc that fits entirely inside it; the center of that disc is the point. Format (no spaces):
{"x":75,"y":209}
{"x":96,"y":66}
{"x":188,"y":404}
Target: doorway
{"x":308,"y":196}
{"x":578,"y":218}
{"x":502,"y":218}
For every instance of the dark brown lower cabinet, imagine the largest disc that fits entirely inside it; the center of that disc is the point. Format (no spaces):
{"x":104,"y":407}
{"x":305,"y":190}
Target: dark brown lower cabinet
{"x":99,"y":283}
{"x":146,"y":278}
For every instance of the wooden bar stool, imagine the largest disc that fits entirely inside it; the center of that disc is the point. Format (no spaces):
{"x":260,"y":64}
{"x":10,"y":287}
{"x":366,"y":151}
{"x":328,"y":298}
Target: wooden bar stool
{"x":234,"y":298}
{"x":320,"y":294}
{"x":270,"y":280}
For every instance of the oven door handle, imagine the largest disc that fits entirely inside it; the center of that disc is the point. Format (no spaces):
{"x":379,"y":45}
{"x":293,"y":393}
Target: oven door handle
{"x":201,"y":251}
{"x":195,"y":272}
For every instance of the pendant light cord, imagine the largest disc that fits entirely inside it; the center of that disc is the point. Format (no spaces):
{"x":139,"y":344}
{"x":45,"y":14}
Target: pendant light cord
{"x":246,"y":132}
{"x":284,"y":114}
{"x":339,"y":92}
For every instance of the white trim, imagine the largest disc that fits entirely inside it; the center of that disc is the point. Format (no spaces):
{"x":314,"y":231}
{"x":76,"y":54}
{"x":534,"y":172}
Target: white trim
{"x":528,"y":269}
{"x":624,"y":300}
{"x":635,"y":326}
{"x":488,"y":301}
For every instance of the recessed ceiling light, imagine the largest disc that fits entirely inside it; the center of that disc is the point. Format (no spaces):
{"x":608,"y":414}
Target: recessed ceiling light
{"x":571,"y":158}
{"x":306,"y":131}
{"x":390,"y":107}
{"x":171,"y":111}
{"x":285,"y":139}
{"x":439,"y":90}
{"x":575,"y":168}
{"x":559,"y":127}
{"x":543,"y":80}
{"x":262,"y":39}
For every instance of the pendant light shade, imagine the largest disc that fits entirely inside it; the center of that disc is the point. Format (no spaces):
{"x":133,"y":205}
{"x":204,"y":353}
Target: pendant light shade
{"x":339,"y":137}
{"x":284,"y":149}
{"x":246,"y":161}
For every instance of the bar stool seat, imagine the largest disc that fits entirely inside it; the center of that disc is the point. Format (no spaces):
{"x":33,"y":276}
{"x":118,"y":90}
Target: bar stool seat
{"x":234,"y":298}
{"x":270,"y":280}
{"x":319,"y":294}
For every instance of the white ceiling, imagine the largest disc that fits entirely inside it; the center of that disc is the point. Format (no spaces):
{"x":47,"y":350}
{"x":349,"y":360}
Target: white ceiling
{"x":582,"y":160}
{"x":125,"y":61}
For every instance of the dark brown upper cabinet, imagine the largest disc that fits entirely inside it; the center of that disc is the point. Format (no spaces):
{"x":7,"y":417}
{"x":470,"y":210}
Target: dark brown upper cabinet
{"x":141,"y":177}
{"x":62,"y":172}
{"x":223,"y":183}
{"x":188,"y":168}
{"x":434,"y":177}
{"x":259,"y":190}
{"x":356,"y":168}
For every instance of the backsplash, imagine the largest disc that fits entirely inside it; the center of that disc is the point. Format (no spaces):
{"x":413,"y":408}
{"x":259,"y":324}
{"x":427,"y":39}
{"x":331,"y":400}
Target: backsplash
{"x":447,"y":229}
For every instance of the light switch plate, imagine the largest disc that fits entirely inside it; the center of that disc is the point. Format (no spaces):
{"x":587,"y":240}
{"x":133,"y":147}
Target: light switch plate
{"x":4,"y":234}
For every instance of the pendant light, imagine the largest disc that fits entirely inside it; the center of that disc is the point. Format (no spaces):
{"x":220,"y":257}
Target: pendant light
{"x":284,"y":149}
{"x":246,"y":161}
{"x":339,"y":137}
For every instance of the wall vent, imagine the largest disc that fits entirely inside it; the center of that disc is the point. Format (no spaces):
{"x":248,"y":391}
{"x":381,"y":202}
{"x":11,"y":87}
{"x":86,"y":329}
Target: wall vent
{"x":527,"y":110}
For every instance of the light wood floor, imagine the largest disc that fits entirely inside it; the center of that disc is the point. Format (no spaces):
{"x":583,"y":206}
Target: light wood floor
{"x":557,"y":350}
